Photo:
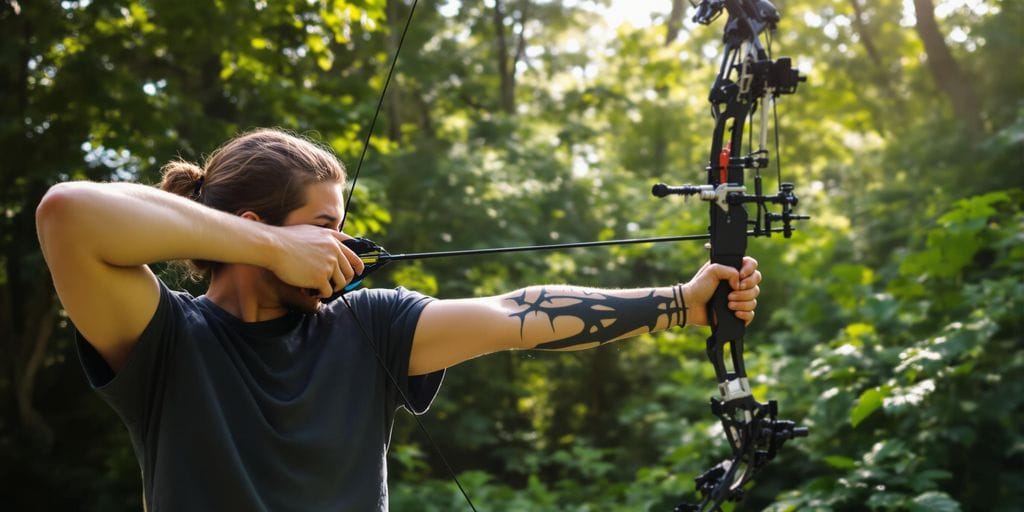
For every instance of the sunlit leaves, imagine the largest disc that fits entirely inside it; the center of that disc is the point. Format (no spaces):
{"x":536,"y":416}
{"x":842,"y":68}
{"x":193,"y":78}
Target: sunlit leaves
{"x":413,"y":277}
{"x":849,"y":283}
{"x":957,"y":238}
{"x":867,"y":403}
{"x":928,"y":393}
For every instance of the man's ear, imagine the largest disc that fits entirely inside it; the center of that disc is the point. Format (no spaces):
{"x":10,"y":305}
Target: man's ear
{"x":251,"y":215}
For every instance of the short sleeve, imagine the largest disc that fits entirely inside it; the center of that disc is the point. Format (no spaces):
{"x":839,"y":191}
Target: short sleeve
{"x":393,"y":315}
{"x":132,"y":391}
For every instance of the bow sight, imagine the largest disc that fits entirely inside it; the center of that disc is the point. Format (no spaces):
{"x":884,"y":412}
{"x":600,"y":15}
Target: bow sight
{"x":748,"y":79}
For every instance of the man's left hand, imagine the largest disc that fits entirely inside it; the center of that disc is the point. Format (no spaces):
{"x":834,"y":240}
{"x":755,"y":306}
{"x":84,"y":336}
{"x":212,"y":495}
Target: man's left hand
{"x":742,"y":300}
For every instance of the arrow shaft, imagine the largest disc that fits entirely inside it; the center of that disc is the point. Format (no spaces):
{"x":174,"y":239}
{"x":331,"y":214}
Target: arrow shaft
{"x":551,"y":247}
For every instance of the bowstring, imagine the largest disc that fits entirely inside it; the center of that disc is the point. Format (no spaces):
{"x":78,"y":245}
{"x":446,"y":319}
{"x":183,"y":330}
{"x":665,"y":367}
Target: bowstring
{"x":376,"y":114}
{"x":775,"y":121}
{"x":406,"y":401}
{"x":355,"y":318}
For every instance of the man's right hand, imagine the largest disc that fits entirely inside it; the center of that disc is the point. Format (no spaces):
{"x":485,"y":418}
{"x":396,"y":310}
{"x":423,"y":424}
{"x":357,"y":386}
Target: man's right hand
{"x":314,"y":258}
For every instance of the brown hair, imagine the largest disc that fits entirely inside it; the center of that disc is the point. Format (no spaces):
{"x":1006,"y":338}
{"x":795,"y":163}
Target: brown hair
{"x":265,"y":171}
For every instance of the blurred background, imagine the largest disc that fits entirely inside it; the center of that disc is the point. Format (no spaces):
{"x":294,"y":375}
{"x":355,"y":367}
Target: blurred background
{"x":891,"y":323}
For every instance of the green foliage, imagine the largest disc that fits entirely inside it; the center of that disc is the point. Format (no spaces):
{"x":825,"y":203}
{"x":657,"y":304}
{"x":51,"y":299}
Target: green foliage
{"x":933,"y":382}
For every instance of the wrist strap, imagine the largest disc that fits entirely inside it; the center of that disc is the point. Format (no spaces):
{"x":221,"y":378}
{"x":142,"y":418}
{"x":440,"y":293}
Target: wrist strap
{"x":677,"y":293}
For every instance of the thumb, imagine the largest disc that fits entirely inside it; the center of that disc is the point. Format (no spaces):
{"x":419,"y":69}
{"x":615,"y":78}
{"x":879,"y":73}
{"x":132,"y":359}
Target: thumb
{"x":720,"y":272}
{"x":705,"y":282}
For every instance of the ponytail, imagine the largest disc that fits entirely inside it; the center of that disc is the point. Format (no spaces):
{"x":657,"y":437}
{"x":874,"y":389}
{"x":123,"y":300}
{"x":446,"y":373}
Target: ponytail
{"x":182,"y":178}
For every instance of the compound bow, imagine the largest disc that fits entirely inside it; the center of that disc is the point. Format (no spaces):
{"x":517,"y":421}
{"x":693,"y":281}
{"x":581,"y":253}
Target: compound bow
{"x":748,"y":79}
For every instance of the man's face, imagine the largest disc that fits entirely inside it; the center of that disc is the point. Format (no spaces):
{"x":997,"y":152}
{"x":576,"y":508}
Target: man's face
{"x":324,"y":207}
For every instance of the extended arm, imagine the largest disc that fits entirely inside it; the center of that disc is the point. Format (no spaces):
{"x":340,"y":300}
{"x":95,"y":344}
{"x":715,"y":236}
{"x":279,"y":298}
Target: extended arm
{"x":559,"y":317}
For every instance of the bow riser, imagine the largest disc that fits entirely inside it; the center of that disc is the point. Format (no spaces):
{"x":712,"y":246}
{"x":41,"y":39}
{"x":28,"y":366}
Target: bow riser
{"x":728,"y":229}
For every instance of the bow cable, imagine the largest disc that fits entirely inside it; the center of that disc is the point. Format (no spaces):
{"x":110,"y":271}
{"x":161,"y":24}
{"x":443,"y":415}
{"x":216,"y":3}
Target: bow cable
{"x":358,"y":322}
{"x":376,"y":114}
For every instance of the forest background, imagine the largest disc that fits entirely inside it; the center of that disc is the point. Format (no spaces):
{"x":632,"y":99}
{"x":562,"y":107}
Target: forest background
{"x":890,"y":324}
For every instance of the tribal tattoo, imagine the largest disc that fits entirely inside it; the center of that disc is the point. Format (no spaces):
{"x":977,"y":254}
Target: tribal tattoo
{"x":605,"y":317}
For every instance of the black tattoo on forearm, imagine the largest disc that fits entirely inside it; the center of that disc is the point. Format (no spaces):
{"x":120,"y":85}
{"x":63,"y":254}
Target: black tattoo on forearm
{"x":605,"y":317}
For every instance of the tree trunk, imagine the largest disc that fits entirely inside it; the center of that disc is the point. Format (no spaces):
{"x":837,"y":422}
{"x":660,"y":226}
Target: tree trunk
{"x":38,"y":328}
{"x":948,"y":75}
{"x":659,"y":138}
{"x":882,"y":76}
{"x":507,"y":60}
{"x":27,"y":301}
{"x":674,"y":23}
{"x":426,"y":120}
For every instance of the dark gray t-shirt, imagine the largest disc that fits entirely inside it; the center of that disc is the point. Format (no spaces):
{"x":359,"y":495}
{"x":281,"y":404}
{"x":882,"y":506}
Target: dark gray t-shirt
{"x":289,"y":414}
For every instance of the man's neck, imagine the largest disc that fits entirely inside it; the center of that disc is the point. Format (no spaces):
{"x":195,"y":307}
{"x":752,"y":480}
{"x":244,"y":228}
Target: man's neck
{"x":238,"y":290}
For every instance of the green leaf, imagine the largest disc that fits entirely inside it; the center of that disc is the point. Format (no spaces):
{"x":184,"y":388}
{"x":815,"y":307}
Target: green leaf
{"x":325,"y":62}
{"x":934,"y":501}
{"x":869,"y":401}
{"x":840,"y":462}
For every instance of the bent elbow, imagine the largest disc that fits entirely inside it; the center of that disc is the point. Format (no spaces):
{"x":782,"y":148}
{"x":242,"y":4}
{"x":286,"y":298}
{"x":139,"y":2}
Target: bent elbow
{"x":55,"y":208}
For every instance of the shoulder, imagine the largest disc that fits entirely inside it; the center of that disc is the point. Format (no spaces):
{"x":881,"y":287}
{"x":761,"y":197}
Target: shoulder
{"x":182,"y":301}
{"x":397,"y":294}
{"x":374,"y":300}
{"x":181,"y":312}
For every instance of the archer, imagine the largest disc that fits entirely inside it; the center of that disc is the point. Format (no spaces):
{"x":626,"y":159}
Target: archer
{"x":256,"y":395}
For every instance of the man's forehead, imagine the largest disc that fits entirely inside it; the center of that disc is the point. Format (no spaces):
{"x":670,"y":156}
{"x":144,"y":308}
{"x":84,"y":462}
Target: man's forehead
{"x":324,"y":202}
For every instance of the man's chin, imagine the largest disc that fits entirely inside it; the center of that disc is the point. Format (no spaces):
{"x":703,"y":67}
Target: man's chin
{"x":301,"y":302}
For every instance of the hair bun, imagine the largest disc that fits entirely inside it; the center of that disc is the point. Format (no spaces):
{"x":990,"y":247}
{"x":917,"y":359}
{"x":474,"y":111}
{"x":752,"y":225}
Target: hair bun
{"x":182,"y":178}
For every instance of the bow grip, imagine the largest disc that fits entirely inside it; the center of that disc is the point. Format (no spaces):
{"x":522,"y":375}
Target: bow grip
{"x":726,"y":329}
